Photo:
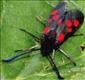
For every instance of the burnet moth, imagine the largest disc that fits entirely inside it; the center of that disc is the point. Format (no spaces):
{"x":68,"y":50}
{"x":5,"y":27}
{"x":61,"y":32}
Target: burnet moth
{"x":61,"y":25}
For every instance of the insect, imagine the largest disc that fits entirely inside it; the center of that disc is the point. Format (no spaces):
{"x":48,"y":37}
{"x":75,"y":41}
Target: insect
{"x":61,"y":25}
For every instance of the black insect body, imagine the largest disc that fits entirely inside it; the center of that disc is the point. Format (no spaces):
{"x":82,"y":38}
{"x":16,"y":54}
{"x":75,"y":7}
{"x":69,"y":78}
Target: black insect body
{"x":61,"y":25}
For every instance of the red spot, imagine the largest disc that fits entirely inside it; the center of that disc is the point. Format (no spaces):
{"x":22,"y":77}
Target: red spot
{"x":69,"y":30}
{"x":46,"y":30}
{"x":68,"y":23}
{"x":76,"y":23}
{"x":49,"y":20}
{"x":59,"y":22}
{"x":61,"y":38}
{"x":54,"y":12}
{"x":55,"y":17}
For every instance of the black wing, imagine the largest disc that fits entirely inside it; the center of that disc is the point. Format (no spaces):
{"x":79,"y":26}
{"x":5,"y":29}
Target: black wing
{"x":57,"y":15}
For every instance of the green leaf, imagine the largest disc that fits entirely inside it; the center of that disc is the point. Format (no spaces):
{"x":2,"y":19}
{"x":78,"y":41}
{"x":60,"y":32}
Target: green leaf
{"x":21,"y":14}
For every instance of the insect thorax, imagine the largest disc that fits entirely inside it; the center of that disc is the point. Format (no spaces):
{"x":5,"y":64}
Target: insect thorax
{"x":48,"y":43}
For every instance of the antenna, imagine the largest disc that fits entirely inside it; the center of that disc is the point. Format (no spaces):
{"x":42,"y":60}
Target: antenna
{"x":18,"y":55}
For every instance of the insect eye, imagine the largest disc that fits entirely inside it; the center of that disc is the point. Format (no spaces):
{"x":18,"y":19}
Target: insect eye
{"x":76,"y":23}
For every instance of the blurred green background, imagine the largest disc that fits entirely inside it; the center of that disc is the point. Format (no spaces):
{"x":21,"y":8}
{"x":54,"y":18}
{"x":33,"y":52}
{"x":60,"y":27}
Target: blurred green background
{"x":21,"y":14}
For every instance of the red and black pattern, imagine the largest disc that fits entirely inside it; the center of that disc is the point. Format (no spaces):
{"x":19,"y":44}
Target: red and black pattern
{"x":61,"y":24}
{"x":55,"y":17}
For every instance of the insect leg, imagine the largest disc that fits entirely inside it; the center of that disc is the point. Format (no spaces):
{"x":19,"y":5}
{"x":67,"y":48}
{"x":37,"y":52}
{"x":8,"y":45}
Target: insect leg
{"x":26,"y":49}
{"x":52,"y":62}
{"x":41,"y":20}
{"x":61,"y":51}
{"x":53,"y":54}
{"x":80,"y":34}
{"x":32,"y":35}
{"x":23,"y":53}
